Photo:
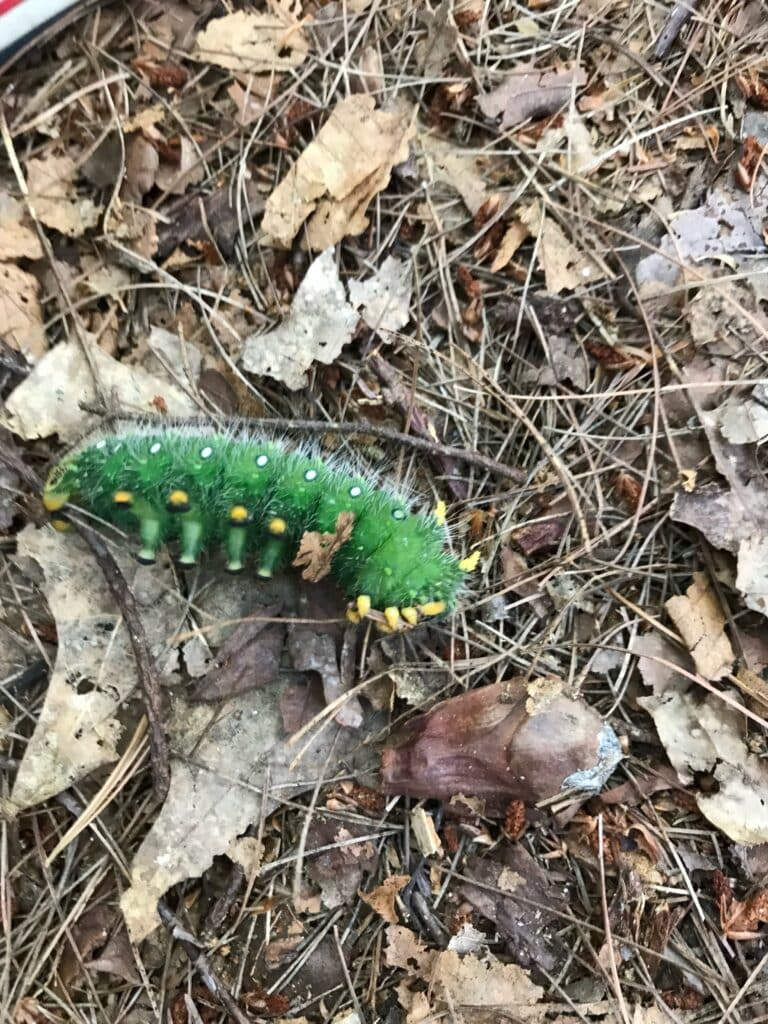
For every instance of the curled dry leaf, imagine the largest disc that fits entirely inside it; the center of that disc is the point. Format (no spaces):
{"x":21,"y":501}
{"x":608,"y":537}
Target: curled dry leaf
{"x":316,"y":550}
{"x":334,"y":180}
{"x":319,"y":324}
{"x":565,"y":266}
{"x":253,"y":41}
{"x":701,"y":622}
{"x":311,"y":651}
{"x":53,"y":197}
{"x":529,"y":93}
{"x":382,"y":899}
{"x":492,"y":744}
{"x":739,"y":919}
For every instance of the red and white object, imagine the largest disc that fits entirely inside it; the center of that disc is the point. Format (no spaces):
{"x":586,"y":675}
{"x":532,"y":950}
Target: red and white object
{"x":21,"y":19}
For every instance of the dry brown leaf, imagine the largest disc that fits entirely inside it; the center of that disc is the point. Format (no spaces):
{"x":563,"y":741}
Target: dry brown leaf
{"x":457,"y":166}
{"x":739,"y":918}
{"x":18,"y":239}
{"x":21,"y":316}
{"x":252,"y":95}
{"x":338,"y":174}
{"x":53,"y":197}
{"x":141,"y":165}
{"x":382,"y":899}
{"x":253,"y":41}
{"x":177,"y":177}
{"x":136,"y":226}
{"x":316,"y":550}
{"x":529,"y":93}
{"x":565,"y":267}
{"x":464,"y":982}
{"x":701,"y":622}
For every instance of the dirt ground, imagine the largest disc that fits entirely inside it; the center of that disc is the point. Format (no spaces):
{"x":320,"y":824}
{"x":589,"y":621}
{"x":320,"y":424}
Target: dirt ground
{"x":510,"y":257}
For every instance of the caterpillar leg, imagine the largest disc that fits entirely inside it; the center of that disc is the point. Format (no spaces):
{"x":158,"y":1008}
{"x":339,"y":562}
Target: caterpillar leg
{"x":150,"y":533}
{"x":192,"y":536}
{"x":273,"y":553}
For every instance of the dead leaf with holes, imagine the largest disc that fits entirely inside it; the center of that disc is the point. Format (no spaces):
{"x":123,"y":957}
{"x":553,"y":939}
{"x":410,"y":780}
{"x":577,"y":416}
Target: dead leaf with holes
{"x":385,"y":297}
{"x":329,"y":188}
{"x":700,"y":620}
{"x":316,"y":550}
{"x":21,"y":316}
{"x":320,"y":323}
{"x":49,"y":400}
{"x":54,"y":199}
{"x":255,"y":42}
{"x":18,"y":238}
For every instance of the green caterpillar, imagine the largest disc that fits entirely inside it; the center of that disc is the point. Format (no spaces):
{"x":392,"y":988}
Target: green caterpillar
{"x":201,"y":487}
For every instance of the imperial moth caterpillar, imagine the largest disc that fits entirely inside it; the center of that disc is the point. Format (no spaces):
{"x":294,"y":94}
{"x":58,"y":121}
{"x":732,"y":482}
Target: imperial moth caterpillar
{"x":259,"y":499}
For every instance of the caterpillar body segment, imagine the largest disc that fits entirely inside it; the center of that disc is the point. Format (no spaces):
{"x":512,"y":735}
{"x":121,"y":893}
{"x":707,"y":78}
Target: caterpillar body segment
{"x":256,"y":499}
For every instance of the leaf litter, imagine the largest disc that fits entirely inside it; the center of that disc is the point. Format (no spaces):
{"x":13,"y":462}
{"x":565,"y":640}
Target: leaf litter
{"x":621,"y":184}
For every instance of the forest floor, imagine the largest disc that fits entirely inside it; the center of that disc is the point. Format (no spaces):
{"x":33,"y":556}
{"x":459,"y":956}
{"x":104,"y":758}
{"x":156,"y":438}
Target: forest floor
{"x":515,"y":254}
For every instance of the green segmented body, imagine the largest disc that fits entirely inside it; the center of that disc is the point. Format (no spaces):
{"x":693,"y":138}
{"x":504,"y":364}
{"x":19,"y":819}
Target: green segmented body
{"x":257,"y":498}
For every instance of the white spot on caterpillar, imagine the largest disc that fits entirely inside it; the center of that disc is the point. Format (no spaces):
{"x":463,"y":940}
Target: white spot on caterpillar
{"x":262,"y":460}
{"x":355,"y":492}
{"x":101,"y":444}
{"x":155,"y":448}
{"x":206,"y":453}
{"x":398,"y":513}
{"x":311,"y":474}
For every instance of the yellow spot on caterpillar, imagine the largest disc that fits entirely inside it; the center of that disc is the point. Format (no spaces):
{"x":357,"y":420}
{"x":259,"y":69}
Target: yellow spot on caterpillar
{"x":440,"y":512}
{"x":178,"y":501}
{"x":352,"y":615}
{"x":432,"y":608}
{"x":392,"y":615}
{"x":61,"y":525}
{"x":410,"y":615}
{"x":277,"y":526}
{"x":469,"y":564}
{"x":238,"y":515}
{"x":53,"y":502}
{"x":123,"y":498}
{"x":363,"y":605}
{"x":382,"y":627}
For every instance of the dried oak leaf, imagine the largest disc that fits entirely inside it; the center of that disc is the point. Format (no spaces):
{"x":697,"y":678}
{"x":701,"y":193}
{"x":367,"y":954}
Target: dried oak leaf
{"x":382,"y":898}
{"x":701,"y":622}
{"x":253,"y":42}
{"x":250,"y":658}
{"x":316,"y":550}
{"x":18,"y":238}
{"x":500,"y":743}
{"x":334,"y":180}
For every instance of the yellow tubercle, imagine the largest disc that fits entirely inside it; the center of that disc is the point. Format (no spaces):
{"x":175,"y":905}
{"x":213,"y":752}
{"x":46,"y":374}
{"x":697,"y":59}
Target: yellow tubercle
{"x":439,"y":512}
{"x":410,"y":615}
{"x":392,"y":615}
{"x":122,"y":498}
{"x":53,"y":501}
{"x":363,"y":604}
{"x":432,"y":608}
{"x":277,"y":526}
{"x":178,"y":501}
{"x":238,"y":514}
{"x":352,"y":616}
{"x":61,"y":525}
{"x":469,"y":564}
